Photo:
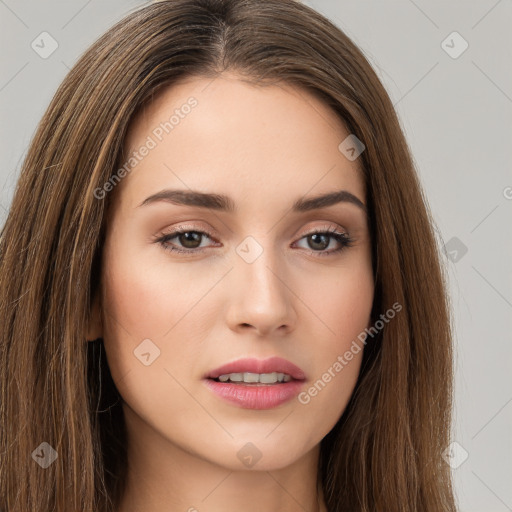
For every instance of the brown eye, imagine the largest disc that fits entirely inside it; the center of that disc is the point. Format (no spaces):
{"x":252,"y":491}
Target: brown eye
{"x":186,"y":240}
{"x":190,"y":239}
{"x":320,"y":239}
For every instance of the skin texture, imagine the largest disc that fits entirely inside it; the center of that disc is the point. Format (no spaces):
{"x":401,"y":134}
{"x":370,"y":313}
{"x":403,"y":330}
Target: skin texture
{"x":265,"y":147}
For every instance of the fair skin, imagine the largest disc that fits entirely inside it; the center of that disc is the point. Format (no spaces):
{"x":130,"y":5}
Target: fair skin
{"x":264,"y":147}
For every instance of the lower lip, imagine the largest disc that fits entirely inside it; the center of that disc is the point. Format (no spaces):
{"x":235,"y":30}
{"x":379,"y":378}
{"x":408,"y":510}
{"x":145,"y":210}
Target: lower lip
{"x":252,"y":396}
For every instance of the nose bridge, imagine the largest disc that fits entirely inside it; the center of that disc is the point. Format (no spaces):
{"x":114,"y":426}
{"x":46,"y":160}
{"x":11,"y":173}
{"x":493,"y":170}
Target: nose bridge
{"x":258,"y":264}
{"x":260,"y":294}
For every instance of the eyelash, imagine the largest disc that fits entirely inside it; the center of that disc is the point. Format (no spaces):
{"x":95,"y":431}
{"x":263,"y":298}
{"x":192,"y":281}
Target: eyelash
{"x":343,"y":238}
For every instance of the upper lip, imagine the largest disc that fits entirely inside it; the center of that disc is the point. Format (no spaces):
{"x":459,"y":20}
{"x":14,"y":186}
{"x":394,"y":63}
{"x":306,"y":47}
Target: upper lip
{"x":270,"y":365}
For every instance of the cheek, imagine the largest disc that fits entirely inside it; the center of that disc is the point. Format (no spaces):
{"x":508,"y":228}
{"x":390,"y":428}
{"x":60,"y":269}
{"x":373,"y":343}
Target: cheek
{"x":148,"y":298}
{"x":146,"y":307}
{"x":344,"y":307}
{"x":343,"y":304}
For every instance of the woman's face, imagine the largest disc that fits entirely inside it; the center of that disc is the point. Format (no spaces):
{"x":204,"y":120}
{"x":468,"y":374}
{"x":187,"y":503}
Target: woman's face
{"x":252,"y":282}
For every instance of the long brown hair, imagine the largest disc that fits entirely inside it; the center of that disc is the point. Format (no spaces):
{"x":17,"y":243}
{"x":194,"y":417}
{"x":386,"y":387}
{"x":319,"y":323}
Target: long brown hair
{"x":385,"y":453}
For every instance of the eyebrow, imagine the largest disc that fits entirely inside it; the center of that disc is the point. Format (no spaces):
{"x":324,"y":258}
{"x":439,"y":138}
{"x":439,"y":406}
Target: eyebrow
{"x":224,"y":203}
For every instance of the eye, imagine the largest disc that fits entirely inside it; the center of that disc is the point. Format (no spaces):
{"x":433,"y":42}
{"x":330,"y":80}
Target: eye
{"x":320,"y":239}
{"x":191,"y":239}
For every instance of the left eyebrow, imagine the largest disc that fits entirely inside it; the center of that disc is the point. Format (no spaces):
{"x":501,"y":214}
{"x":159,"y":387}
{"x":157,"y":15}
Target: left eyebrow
{"x":222,"y":202}
{"x":325,"y":200}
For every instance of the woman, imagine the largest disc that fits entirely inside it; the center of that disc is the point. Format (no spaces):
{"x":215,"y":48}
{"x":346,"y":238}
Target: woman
{"x":220,"y":285}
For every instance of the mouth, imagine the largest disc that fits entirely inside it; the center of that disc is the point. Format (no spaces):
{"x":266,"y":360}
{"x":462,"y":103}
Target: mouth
{"x":257,"y":371}
{"x":256,"y":384}
{"x":254,"y":379}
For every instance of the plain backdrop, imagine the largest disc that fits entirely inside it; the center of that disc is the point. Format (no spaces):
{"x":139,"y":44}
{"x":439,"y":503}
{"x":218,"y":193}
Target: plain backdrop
{"x":446,"y":66}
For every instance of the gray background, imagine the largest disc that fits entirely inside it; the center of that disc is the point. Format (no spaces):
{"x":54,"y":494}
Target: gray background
{"x":456,"y":113}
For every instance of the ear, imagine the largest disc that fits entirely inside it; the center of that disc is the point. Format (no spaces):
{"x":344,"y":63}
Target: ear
{"x":95,"y":327}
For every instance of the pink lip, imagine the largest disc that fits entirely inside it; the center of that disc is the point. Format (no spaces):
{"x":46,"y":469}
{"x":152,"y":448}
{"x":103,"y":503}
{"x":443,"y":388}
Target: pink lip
{"x":272,"y":364}
{"x":257,"y":396}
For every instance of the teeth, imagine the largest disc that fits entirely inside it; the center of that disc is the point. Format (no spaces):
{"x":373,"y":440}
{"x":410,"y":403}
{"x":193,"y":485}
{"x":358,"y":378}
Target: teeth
{"x":251,"y":378}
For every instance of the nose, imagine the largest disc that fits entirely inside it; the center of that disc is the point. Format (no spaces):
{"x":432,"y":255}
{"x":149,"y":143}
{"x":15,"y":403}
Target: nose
{"x":260,"y":297}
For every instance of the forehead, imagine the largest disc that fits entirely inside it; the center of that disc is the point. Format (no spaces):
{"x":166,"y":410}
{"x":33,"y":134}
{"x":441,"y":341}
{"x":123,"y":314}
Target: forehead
{"x":227,"y":135}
